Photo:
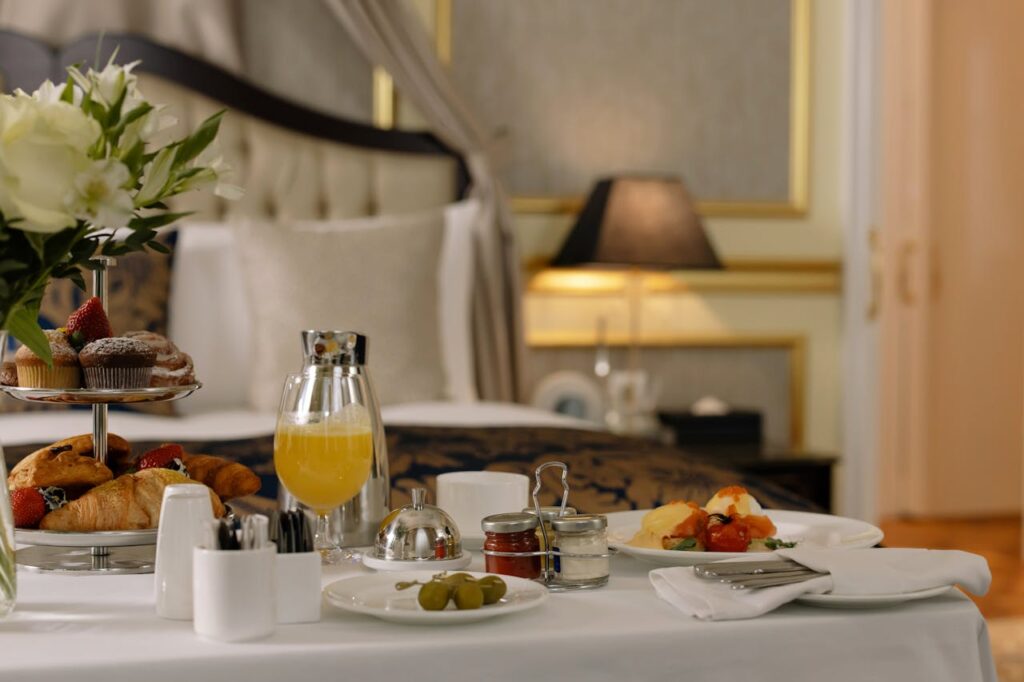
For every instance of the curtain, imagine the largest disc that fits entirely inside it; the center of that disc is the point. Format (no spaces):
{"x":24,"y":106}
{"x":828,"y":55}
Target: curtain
{"x":391,"y":36}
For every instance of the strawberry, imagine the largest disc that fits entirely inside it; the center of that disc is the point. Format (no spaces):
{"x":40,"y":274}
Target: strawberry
{"x":30,"y":505}
{"x":167,"y":456}
{"x":88,"y":324}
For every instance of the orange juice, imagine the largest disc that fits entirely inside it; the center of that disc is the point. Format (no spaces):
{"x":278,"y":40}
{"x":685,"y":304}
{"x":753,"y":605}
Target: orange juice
{"x":323,"y":465}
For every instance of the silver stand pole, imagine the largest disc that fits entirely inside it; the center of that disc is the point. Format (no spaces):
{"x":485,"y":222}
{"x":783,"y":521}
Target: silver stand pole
{"x":99,"y":411}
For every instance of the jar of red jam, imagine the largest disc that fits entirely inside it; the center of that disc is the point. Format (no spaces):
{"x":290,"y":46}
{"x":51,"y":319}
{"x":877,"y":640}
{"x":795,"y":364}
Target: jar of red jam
{"x":512,"y":532}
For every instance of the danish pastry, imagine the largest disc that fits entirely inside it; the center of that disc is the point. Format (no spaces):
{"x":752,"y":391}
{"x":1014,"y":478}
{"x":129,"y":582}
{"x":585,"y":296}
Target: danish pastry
{"x":173,"y":367}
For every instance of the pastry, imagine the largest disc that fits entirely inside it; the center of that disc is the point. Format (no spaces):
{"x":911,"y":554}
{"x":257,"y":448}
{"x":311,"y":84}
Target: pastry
{"x":33,"y":372}
{"x":119,"y":452}
{"x":228,"y":479}
{"x":173,"y":367}
{"x":9,"y":374}
{"x":129,"y":502}
{"x":58,"y":465}
{"x":117,"y":362}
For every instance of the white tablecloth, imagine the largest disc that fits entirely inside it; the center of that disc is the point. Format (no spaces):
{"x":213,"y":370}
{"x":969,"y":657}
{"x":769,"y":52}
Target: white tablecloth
{"x":104,"y":628}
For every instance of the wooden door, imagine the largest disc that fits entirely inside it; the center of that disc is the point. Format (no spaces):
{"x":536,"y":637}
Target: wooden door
{"x":952,"y":344}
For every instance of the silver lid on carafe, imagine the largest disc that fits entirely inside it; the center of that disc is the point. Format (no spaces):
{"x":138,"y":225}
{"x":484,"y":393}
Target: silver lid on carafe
{"x":333,"y":348}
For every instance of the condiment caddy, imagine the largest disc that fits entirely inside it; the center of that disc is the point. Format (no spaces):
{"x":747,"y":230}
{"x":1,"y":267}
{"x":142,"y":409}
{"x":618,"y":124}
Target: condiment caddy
{"x":564,"y":551}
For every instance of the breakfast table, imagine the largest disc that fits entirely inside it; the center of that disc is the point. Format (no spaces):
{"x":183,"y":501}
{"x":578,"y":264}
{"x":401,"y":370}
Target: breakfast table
{"x":104,"y":628}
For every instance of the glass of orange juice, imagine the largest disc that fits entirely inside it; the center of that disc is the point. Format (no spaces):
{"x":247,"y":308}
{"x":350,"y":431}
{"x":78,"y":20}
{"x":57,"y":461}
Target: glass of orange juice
{"x":324,"y":445}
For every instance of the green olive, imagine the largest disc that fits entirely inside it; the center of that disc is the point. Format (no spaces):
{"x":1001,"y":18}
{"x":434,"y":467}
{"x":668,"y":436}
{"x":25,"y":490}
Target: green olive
{"x":469,"y":596}
{"x":456,"y":579}
{"x":434,"y":596}
{"x":493,"y":587}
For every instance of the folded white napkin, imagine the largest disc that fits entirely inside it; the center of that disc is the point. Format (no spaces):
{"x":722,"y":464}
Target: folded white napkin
{"x":852,"y":572}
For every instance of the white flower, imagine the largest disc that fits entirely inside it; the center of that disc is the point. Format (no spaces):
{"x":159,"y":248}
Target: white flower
{"x":216,"y":171}
{"x":100,"y":197}
{"x":106,"y":85}
{"x":43,"y":149}
{"x":49,"y":93}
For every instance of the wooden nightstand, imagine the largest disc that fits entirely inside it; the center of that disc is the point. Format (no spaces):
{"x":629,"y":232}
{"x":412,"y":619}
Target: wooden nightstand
{"x":807,"y":474}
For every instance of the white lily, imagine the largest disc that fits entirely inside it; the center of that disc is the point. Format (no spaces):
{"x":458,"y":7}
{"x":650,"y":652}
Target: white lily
{"x":50,"y":92}
{"x":100,"y":196}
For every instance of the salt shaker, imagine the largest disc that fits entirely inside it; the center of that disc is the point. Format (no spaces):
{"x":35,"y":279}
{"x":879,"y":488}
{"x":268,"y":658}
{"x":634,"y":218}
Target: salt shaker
{"x":184,"y":515}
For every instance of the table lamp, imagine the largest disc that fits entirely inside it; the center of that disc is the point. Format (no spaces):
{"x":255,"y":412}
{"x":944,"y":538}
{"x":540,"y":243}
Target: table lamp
{"x":637,"y":223}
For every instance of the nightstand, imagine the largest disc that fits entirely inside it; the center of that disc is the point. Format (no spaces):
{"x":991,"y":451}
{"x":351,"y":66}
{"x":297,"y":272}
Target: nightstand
{"x":807,"y":474}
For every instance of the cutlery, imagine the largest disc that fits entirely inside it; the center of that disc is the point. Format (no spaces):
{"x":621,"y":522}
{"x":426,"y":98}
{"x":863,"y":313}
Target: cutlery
{"x":739,"y":567}
{"x":773,"y":581}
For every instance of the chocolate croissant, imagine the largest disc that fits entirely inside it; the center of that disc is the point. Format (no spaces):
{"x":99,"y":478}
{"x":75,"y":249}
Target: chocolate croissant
{"x":68,"y":463}
{"x":129,"y":502}
{"x":228,"y":479}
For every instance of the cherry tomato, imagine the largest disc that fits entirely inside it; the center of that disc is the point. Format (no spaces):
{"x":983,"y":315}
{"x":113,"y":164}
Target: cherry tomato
{"x":727,"y":534}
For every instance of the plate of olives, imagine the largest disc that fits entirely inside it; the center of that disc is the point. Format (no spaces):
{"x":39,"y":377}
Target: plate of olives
{"x":444,"y":598}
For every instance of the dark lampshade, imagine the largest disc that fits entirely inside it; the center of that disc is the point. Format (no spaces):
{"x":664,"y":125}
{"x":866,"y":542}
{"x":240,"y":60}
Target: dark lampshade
{"x":638,"y":221}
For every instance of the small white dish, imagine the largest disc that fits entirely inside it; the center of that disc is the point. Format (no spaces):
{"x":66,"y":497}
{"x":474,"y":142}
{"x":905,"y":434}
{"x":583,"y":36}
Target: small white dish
{"x":870,"y":601}
{"x":375,"y":595}
{"x":804,"y":528}
{"x":430,"y":565}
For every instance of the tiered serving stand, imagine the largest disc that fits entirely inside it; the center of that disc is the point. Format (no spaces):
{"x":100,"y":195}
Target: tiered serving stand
{"x":119,"y":551}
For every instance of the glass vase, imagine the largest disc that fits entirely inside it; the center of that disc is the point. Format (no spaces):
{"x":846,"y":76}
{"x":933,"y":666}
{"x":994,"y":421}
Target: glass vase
{"x":8,"y":575}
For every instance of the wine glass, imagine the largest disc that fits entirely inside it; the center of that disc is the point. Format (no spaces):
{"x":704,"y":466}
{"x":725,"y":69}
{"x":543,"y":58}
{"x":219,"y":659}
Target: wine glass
{"x":324,"y":445}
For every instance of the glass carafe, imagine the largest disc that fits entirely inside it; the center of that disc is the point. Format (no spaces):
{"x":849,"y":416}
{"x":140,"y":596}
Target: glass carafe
{"x":329,"y":447}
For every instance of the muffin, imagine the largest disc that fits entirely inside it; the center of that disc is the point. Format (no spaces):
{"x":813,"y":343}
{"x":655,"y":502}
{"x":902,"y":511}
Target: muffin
{"x":117,"y":362}
{"x":33,"y":372}
{"x":9,"y":374}
{"x":173,"y":367}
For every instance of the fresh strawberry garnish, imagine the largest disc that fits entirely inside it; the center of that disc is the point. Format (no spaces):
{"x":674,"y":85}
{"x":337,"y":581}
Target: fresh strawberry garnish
{"x":167,"y":456}
{"x":88,"y":323}
{"x":30,"y":505}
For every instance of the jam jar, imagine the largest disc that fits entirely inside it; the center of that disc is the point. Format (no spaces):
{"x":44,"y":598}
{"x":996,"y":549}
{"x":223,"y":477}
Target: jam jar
{"x":512,"y":532}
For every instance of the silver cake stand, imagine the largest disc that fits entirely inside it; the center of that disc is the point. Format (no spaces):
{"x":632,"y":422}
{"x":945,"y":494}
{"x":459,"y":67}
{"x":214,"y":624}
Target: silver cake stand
{"x":100,"y":552}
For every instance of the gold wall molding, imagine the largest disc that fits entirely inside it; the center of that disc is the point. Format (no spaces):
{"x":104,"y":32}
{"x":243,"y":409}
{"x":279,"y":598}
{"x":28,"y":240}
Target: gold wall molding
{"x":810,"y":277}
{"x":794,"y":345}
{"x":385,"y":105}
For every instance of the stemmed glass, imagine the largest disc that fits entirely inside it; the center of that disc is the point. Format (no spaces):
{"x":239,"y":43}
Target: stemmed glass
{"x":327,"y":424}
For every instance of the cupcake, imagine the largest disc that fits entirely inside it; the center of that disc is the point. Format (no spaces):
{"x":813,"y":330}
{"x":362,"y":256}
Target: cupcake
{"x":117,"y":362}
{"x":33,"y":372}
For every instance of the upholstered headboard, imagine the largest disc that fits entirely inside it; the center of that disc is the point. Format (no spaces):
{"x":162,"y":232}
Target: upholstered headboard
{"x":295,"y":162}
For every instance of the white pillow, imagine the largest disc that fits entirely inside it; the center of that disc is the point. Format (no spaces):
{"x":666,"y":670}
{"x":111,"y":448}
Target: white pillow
{"x":206,"y":260}
{"x":376,"y":275}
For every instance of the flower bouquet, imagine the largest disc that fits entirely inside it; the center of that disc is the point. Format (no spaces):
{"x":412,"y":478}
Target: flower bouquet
{"x":80,"y":176}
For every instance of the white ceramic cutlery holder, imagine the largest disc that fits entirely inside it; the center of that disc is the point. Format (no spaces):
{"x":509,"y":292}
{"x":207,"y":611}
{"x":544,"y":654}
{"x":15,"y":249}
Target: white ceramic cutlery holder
{"x":184,"y":513}
{"x":298,"y":587}
{"x":234,"y":593}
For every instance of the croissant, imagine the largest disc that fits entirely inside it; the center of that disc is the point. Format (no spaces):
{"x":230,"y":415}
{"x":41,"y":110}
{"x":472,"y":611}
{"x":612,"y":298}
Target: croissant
{"x":64,"y":464}
{"x":129,"y":502}
{"x":228,"y":479}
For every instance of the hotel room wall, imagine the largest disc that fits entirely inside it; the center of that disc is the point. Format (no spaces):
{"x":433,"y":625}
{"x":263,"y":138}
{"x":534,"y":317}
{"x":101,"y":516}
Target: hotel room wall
{"x":817,"y":236}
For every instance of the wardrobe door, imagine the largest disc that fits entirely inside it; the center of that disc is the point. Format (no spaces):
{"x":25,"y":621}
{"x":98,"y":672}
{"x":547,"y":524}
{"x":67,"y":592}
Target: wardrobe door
{"x":953,"y":189}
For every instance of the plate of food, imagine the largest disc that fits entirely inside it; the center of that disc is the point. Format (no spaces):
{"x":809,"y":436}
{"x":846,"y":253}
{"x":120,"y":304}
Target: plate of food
{"x":62,"y":496}
{"x":441,"y":600}
{"x":729,"y":526}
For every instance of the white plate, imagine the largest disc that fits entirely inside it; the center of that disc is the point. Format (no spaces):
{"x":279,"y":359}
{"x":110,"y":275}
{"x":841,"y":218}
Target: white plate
{"x":804,"y":528}
{"x":431,"y":565}
{"x":375,"y":595}
{"x":869,"y":601}
{"x":103,"y":538}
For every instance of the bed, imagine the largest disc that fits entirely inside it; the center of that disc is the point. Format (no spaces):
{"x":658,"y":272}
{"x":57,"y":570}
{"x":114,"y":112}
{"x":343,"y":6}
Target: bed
{"x":299,"y":165}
